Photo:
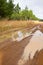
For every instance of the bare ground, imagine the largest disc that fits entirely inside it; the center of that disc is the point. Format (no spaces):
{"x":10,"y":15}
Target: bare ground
{"x":11,"y":51}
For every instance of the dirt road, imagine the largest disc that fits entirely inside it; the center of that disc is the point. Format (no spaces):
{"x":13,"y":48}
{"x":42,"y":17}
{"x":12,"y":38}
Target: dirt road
{"x":12,"y":52}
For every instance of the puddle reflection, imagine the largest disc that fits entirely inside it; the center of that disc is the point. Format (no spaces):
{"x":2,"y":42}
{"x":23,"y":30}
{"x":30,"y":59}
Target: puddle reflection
{"x":36,"y":43}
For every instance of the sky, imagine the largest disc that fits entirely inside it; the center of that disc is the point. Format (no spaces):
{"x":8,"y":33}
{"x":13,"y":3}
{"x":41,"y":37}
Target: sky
{"x":35,"y":5}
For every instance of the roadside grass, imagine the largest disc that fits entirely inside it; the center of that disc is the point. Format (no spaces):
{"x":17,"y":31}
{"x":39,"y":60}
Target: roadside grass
{"x":6,"y":28}
{"x":5,"y":36}
{"x":8,"y":25}
{"x":15,"y":34}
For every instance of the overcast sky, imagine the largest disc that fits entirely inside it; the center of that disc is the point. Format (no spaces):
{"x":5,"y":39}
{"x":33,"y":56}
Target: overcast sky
{"x":35,"y":5}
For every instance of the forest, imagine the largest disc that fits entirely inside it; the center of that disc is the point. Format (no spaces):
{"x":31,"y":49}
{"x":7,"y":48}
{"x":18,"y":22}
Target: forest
{"x":13,"y":12}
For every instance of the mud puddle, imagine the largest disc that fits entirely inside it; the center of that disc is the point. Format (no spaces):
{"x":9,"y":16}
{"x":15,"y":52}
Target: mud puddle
{"x":35,"y":44}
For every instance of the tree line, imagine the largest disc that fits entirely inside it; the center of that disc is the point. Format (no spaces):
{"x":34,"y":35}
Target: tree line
{"x":12,"y":11}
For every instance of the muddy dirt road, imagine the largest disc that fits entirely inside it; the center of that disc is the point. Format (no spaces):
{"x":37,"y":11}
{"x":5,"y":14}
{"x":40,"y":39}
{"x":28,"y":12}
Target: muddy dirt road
{"x":19,"y":52}
{"x":12,"y":52}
